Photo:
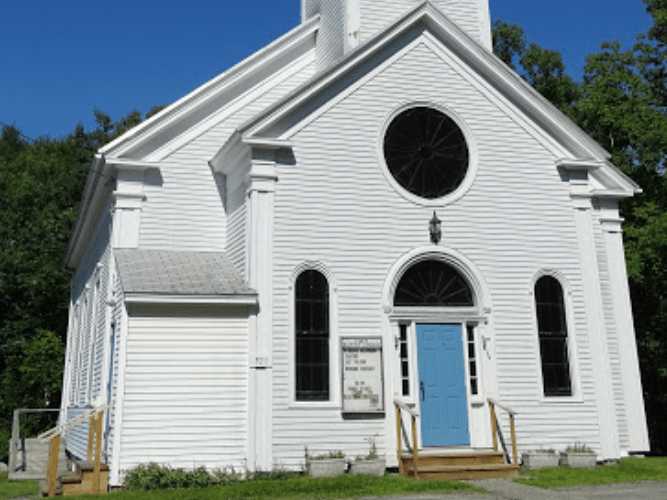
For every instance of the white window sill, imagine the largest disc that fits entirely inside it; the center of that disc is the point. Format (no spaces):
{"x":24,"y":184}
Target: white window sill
{"x":305,"y":405}
{"x":565,"y":400}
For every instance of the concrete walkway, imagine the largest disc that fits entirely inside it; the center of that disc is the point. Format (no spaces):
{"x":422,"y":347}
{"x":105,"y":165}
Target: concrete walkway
{"x":639,"y":491}
{"x":507,"y":490}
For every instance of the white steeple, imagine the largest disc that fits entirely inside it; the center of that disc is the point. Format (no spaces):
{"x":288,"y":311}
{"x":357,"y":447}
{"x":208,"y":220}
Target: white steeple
{"x":346,"y":23}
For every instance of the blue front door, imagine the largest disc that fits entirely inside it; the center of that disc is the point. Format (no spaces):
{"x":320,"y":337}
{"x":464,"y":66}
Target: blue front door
{"x":442,"y":386}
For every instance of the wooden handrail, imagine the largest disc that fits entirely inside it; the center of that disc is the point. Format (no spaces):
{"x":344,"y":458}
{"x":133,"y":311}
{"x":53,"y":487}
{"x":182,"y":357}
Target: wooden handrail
{"x":52,"y":467}
{"x":401,"y":405}
{"x":95,"y":418}
{"x":495,"y":428}
{"x":71,"y":423}
{"x":405,"y":406}
{"x":507,"y":409}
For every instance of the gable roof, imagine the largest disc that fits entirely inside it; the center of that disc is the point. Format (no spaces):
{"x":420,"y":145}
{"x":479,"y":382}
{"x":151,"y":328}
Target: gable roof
{"x":180,"y":116}
{"x":201,"y":102}
{"x":273,"y":122}
{"x":158,"y":272}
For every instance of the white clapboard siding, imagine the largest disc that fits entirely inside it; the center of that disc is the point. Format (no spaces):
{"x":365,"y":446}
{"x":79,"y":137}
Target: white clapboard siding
{"x":113,"y":398}
{"x":613,"y":347}
{"x":377,"y":14}
{"x":337,"y":207}
{"x":77,"y":437}
{"x":89,"y":326}
{"x":237,"y":230}
{"x":185,"y":206}
{"x":101,"y":323}
{"x":185,"y":400}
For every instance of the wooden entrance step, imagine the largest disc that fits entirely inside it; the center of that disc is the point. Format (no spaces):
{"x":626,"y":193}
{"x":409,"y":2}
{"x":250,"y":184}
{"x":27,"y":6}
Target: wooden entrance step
{"x":81,"y":481}
{"x":466,"y":465}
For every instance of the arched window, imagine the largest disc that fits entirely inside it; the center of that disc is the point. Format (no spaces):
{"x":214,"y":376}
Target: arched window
{"x":312,"y":336}
{"x":433,"y":283}
{"x":552,"y":328}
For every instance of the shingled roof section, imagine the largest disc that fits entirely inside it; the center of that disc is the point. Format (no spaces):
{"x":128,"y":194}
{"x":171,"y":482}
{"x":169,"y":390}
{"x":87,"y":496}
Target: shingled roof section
{"x":159,"y":272}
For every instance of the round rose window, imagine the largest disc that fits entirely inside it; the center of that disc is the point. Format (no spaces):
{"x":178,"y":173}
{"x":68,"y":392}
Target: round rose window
{"x":426,"y":152}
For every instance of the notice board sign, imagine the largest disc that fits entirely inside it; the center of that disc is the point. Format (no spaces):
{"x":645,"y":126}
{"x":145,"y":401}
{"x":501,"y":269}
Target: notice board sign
{"x":363,"y":388}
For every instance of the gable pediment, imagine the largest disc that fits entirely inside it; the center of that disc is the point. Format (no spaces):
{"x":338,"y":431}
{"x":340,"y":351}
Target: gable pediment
{"x":283,"y":119}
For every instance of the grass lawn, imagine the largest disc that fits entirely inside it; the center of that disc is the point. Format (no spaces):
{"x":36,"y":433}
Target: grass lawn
{"x":13,"y":489}
{"x":301,"y":488}
{"x":293,"y":488}
{"x":629,"y":470}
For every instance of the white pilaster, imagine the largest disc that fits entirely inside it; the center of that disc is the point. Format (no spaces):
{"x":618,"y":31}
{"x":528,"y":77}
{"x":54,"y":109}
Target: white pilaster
{"x":261,"y":181}
{"x":632,"y":385}
{"x":582,"y":203}
{"x":128,"y":200}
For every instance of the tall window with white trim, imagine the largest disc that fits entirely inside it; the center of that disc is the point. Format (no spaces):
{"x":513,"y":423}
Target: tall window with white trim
{"x":312,"y":337}
{"x":403,"y":342}
{"x":472,"y":360}
{"x":552,"y":329}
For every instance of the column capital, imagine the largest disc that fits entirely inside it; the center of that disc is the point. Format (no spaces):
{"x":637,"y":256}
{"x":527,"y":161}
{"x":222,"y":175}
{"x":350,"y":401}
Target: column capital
{"x":581,"y":200}
{"x":262,"y":176}
{"x":128,"y":200}
{"x":612,"y":224}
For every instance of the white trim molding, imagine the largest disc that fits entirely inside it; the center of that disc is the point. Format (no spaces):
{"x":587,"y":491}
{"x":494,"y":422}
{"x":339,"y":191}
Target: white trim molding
{"x":335,"y":401}
{"x":572,"y":339}
{"x":128,"y":200}
{"x":261,"y":185}
{"x":612,"y":227}
{"x":473,"y":155}
{"x":231,"y":300}
{"x":582,"y":204}
{"x":455,"y":259}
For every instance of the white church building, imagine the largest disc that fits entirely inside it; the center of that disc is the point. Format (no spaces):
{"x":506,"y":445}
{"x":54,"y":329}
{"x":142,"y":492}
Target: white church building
{"x":371,"y":213}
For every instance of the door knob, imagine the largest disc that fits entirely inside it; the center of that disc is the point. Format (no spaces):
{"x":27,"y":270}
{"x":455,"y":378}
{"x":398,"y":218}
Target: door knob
{"x":422,"y":392}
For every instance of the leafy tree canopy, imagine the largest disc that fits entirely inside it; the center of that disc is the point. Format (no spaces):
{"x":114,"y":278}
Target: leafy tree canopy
{"x":40,"y":187}
{"x":621,"y":101}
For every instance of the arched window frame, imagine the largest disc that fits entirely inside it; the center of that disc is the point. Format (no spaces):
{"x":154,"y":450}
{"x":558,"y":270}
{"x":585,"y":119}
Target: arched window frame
{"x":476,"y":317}
{"x":446,"y":264}
{"x":575,"y":396}
{"x":334,"y":355}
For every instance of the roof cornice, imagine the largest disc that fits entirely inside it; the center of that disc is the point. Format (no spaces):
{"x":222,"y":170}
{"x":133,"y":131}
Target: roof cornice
{"x":91,"y":191}
{"x":95,"y":194}
{"x":288,"y":46}
{"x":228,"y":300}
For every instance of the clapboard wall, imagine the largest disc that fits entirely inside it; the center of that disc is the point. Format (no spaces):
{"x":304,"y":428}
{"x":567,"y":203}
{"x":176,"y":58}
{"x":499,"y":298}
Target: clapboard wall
{"x":186,"y":387}
{"x":338,"y":208}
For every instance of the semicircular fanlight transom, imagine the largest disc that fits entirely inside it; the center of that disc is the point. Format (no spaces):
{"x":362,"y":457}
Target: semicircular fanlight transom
{"x":433,"y":283}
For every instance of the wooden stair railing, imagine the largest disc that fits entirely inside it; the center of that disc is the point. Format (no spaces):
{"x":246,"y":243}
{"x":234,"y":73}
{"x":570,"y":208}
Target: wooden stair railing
{"x":401,"y":434}
{"x":95,"y":418}
{"x":497,"y":433}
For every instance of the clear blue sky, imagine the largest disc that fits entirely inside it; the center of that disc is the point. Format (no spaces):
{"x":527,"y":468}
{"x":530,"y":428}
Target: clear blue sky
{"x":59,"y":60}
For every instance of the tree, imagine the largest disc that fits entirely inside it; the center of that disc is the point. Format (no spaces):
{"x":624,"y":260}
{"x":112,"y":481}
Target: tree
{"x":543,"y":69}
{"x":621,"y":101}
{"x":41,"y":183}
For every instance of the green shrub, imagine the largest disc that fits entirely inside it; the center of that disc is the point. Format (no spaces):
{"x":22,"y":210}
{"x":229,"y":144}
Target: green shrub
{"x":274,"y":475}
{"x":161,"y":477}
